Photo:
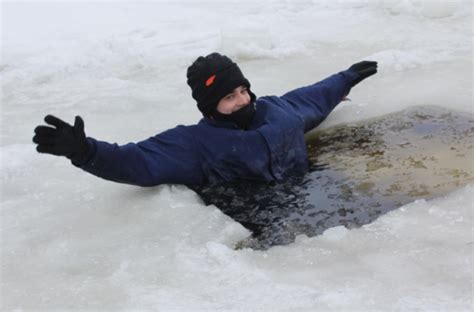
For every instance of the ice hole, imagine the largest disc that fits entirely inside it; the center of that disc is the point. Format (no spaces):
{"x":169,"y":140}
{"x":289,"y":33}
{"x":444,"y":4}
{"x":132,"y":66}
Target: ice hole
{"x":358,"y":171}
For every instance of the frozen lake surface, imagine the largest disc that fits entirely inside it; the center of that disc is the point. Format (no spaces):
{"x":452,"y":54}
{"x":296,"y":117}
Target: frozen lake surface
{"x":71,"y":241}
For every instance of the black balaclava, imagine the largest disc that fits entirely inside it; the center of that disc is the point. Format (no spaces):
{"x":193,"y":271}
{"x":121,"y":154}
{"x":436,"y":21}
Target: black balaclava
{"x":213,"y":77}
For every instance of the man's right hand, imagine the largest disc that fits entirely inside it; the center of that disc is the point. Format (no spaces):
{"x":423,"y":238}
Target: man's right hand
{"x":63,"y":139}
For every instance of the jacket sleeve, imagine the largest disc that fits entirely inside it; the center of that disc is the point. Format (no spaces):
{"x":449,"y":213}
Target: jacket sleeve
{"x":169,"y":157}
{"x":314,"y":103}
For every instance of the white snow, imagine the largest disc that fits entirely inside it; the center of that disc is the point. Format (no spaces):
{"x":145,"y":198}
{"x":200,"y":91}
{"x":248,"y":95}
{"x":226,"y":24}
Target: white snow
{"x":70,"y":241}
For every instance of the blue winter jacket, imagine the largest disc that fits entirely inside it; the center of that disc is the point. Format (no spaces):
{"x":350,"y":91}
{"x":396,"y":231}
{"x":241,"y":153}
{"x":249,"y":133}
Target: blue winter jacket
{"x":215,"y":151}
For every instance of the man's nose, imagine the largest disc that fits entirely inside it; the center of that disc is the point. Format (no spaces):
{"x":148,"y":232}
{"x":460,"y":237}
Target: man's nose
{"x":242,"y":100}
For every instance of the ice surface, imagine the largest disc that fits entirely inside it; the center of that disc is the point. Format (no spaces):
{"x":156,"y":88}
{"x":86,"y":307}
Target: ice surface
{"x":70,"y":241}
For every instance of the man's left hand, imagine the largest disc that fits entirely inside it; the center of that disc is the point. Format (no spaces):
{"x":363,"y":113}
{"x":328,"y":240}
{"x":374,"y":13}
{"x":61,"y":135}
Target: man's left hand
{"x":363,"y":69}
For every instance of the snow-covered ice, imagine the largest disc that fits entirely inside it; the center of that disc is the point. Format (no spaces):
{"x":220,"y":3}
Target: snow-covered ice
{"x":70,"y":241}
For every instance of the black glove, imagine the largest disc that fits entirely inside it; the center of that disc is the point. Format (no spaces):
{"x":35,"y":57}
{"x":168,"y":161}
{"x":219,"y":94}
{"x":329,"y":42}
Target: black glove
{"x":363,"y":69}
{"x":63,"y":140}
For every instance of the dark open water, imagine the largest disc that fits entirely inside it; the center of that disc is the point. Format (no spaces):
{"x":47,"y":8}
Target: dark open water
{"x":358,"y":172}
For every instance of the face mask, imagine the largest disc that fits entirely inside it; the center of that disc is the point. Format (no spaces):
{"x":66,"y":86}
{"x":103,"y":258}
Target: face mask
{"x":243,"y":117}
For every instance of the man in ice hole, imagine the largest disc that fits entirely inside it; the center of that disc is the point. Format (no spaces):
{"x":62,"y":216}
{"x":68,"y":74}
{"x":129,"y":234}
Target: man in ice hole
{"x":239,"y":138}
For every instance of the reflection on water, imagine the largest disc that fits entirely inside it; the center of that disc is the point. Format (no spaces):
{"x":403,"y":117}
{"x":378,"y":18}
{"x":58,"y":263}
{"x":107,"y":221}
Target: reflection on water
{"x":357,"y":172}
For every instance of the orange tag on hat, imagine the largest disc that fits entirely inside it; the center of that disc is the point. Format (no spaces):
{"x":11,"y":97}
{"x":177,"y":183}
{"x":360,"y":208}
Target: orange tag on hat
{"x":210,"y":80}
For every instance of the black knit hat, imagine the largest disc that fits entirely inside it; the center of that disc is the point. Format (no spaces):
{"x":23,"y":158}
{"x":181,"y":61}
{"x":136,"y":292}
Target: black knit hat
{"x":213,"y":77}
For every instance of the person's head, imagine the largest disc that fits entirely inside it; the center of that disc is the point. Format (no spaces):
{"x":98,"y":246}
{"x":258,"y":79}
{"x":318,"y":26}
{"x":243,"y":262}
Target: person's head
{"x":220,"y":89}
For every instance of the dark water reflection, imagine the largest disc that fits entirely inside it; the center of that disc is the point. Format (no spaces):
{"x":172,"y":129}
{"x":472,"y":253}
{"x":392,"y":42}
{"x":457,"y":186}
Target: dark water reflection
{"x":358,"y":172}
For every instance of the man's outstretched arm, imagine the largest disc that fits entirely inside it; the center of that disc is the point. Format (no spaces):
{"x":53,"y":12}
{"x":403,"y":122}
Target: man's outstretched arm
{"x":314,"y":103}
{"x":169,"y":157}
